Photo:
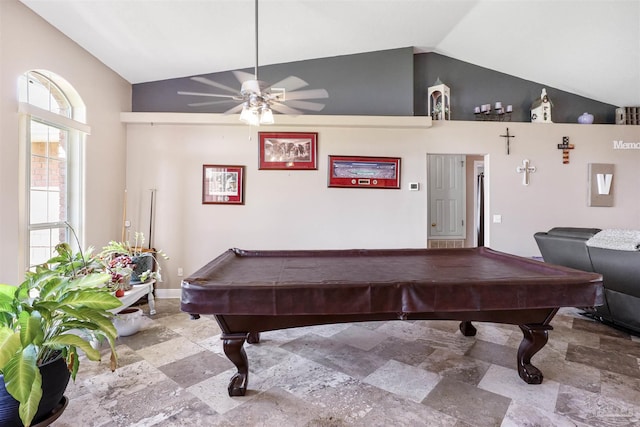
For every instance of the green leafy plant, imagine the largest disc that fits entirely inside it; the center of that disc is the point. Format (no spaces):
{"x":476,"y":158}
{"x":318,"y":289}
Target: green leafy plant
{"x":135,"y":250}
{"x":60,"y":308}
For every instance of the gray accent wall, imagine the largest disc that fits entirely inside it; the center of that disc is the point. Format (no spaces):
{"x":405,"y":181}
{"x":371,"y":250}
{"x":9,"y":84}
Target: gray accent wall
{"x":472,"y":85}
{"x":385,"y":83}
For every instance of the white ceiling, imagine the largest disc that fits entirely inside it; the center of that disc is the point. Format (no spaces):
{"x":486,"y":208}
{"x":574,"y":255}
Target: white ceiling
{"x":589,"y":47}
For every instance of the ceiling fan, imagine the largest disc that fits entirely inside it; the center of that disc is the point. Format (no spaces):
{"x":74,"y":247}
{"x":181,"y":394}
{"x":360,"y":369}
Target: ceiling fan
{"x":257,"y":100}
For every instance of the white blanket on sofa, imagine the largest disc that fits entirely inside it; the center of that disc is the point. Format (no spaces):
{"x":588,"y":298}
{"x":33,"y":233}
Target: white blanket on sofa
{"x":622,"y":240}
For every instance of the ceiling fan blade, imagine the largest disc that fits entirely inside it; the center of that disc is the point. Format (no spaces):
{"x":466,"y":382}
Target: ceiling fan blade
{"x":243,"y":76}
{"x":281,"y":108}
{"x":290,"y":83}
{"x":215,"y":95}
{"x":306,"y":94}
{"x":233,"y":110}
{"x":214,"y":84}
{"x":306,"y":105}
{"x":204,"y":104}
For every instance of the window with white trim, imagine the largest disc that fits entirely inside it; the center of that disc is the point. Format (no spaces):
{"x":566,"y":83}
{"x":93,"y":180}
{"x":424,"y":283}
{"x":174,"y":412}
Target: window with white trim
{"x":53,"y":139}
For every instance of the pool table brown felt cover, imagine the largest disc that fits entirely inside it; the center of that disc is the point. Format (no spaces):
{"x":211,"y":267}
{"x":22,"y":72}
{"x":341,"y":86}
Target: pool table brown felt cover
{"x":311,"y":282}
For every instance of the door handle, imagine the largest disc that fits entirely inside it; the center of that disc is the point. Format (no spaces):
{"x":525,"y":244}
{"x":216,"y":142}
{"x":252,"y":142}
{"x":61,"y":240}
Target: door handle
{"x":433,"y":224}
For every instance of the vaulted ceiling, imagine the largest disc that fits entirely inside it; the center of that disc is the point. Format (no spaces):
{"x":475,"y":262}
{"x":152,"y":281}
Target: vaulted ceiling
{"x":589,"y":48}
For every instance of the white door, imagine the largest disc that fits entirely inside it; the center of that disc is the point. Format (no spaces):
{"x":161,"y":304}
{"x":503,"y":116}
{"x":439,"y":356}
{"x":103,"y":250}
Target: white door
{"x":447,"y":207}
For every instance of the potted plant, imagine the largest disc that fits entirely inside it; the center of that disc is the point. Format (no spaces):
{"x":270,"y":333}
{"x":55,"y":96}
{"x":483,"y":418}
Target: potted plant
{"x":143,"y":259}
{"x":60,"y":308}
{"x":120,"y":268}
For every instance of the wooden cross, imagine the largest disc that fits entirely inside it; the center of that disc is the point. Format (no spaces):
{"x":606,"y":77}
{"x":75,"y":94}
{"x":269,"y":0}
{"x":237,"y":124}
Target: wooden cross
{"x":565,"y":147}
{"x":526,"y":169}
{"x":508,"y":140}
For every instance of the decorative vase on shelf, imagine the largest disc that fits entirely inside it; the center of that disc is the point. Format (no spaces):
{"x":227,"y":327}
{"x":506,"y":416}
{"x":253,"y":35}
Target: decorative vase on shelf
{"x":585,"y":119}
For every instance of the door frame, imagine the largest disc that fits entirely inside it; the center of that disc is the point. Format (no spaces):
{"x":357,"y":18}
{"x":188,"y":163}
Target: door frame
{"x":487,"y":196}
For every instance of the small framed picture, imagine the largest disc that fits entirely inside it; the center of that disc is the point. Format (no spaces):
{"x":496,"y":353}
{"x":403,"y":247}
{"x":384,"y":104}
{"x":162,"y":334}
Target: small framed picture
{"x":364,"y":172}
{"x":288,"y":150}
{"x":223,"y":184}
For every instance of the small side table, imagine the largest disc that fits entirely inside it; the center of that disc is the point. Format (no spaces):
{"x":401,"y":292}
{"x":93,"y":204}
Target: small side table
{"x":135,"y":293}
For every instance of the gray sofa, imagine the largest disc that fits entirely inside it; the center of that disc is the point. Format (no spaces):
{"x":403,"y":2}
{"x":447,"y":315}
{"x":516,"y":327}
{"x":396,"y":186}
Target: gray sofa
{"x":613,"y":253}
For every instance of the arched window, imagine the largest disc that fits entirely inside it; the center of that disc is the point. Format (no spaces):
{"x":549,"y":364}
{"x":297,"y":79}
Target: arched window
{"x":52,"y":135}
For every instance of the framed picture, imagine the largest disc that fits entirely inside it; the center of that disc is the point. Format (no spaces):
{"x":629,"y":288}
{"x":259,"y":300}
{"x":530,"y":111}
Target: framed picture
{"x":288,"y":150}
{"x":223,"y":184}
{"x":364,"y":172}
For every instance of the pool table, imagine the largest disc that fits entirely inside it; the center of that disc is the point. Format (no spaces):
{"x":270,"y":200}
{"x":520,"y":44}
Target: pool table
{"x":250,"y":291}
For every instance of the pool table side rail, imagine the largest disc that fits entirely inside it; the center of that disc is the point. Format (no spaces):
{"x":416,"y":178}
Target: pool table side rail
{"x":555,"y":286}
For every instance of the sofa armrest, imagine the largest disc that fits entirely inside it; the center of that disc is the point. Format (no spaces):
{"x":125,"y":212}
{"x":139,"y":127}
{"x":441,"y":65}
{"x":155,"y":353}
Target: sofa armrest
{"x":566,"y":246}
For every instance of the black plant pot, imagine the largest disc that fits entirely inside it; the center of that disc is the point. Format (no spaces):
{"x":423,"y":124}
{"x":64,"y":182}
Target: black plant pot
{"x":55,"y":378}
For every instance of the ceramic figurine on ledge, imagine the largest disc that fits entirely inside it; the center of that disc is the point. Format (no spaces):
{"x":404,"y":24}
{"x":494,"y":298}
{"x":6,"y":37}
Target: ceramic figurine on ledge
{"x":541,"y":109}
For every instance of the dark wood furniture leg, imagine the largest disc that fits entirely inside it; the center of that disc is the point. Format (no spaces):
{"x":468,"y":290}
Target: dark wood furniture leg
{"x":253,"y":337}
{"x":233,"y":348}
{"x":535,"y":337}
{"x":467,"y":329}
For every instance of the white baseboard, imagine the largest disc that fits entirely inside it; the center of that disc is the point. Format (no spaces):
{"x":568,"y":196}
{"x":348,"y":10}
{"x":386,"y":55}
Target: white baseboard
{"x":168,"y":293}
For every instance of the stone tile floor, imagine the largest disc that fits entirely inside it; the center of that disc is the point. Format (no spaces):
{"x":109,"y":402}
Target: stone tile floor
{"x":413,"y":373}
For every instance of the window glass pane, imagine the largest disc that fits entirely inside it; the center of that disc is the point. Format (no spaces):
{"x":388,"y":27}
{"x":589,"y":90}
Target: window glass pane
{"x":38,"y":94}
{"x":43,"y":93}
{"x":43,"y":242}
{"x":48,"y":174}
{"x":39,"y":206}
{"x":57,"y":190}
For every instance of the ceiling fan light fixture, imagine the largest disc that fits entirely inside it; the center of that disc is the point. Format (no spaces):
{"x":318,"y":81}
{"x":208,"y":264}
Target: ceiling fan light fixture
{"x":266,"y":115}
{"x":249,"y":115}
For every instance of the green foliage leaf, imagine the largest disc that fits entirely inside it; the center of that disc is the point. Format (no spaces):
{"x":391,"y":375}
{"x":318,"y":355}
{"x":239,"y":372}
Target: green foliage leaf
{"x":101,"y":321}
{"x":29,"y":407}
{"x":73,"y":362}
{"x":74,"y":340}
{"x":20,"y":373}
{"x":9,"y":345}
{"x":30,"y":328}
{"x":95,"y":300}
{"x":7,"y":292}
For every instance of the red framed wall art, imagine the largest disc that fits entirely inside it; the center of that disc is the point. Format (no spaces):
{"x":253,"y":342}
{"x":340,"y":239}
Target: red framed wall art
{"x":364,"y":172}
{"x":223,"y":184}
{"x":288,"y":150}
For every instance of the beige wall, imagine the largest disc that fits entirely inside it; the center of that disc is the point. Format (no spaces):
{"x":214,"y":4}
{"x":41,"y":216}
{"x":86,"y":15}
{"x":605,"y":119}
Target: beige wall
{"x":295,"y":209}
{"x":28,"y":42}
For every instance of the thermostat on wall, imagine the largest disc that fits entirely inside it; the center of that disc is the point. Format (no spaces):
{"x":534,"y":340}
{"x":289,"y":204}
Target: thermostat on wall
{"x":414,"y":186}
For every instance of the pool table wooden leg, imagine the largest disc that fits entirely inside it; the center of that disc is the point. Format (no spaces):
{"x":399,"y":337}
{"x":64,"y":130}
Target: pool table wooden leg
{"x":535,"y":337}
{"x":233,"y":348}
{"x":467,"y":329}
{"x":253,"y":337}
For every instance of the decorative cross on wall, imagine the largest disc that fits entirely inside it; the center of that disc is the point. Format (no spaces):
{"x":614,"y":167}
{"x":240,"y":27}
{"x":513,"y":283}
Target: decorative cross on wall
{"x":565,"y":147}
{"x":508,"y":140}
{"x":526,"y":169}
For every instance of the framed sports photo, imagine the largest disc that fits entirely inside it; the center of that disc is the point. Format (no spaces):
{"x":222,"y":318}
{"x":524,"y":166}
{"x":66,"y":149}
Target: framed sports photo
{"x":288,"y":150}
{"x":364,"y":172}
{"x":223,"y":184}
